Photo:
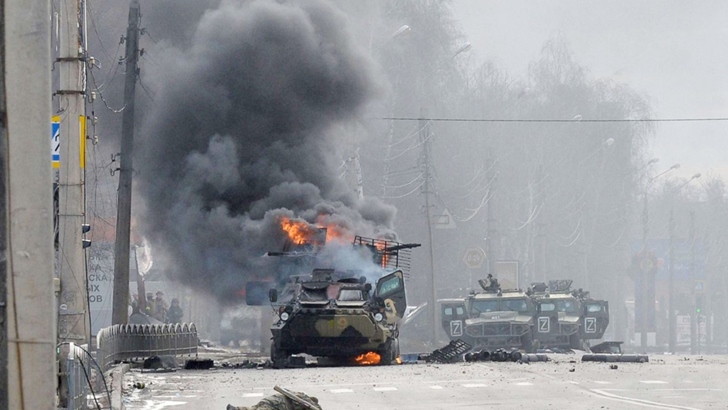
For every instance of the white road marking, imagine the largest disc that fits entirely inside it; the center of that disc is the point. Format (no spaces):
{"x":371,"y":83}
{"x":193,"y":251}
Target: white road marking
{"x":337,"y":391}
{"x":475,"y":385}
{"x":159,"y":405}
{"x":252,"y":394}
{"x":653,"y":382}
{"x":601,"y":382}
{"x":640,"y":402}
{"x":524,"y":384}
{"x":573,"y":382}
{"x":385,"y":389}
{"x":437,"y":387}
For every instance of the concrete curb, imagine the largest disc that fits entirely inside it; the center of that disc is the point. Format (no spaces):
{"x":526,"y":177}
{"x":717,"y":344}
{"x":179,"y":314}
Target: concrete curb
{"x":117,"y":384}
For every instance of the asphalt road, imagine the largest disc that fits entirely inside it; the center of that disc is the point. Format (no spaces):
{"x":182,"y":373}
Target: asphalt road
{"x":666,"y":382}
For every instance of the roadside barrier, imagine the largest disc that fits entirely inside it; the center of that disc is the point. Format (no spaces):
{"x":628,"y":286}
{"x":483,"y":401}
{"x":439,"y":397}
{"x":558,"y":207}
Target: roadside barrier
{"x":78,"y":369}
{"x":123,"y":342}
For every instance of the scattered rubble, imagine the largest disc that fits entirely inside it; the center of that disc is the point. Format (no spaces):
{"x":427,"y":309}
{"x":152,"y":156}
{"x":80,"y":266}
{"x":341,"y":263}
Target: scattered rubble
{"x":160,"y":363}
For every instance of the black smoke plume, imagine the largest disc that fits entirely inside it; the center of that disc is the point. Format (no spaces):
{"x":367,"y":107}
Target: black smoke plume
{"x":246,"y":128}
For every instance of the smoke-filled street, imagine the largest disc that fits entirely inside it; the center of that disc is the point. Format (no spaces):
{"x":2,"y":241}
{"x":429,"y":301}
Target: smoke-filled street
{"x":355,"y":180}
{"x":410,"y":121}
{"x":666,"y":382}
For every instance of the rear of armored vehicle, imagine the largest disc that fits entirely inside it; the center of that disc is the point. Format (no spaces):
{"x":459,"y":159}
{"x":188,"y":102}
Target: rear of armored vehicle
{"x":595,"y":319}
{"x":558,"y":321}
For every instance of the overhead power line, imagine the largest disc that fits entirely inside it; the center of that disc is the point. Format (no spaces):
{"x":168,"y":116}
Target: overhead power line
{"x":551,"y":120}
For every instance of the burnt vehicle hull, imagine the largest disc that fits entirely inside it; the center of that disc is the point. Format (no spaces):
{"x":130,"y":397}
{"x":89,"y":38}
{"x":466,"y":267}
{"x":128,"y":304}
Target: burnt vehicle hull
{"x":330,"y":334}
{"x":348,"y":311}
{"x":336,"y":334}
{"x":341,"y":329}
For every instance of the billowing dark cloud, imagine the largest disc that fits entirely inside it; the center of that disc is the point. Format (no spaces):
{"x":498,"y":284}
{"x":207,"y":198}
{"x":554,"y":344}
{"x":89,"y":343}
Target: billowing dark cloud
{"x":244,"y":130}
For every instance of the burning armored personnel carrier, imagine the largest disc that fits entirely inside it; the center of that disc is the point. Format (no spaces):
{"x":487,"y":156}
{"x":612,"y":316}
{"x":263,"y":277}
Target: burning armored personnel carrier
{"x":347,"y":315}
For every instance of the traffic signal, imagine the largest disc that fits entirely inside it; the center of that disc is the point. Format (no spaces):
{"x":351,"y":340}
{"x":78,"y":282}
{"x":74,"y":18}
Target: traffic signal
{"x":698,"y":304}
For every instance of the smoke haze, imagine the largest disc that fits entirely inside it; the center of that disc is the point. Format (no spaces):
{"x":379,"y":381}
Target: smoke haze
{"x":244,"y":130}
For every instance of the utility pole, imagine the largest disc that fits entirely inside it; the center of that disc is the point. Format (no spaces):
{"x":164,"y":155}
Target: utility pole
{"x":644,"y":305}
{"x":490,"y":219}
{"x":73,"y":322}
{"x":694,"y":317}
{"x":671,"y":282}
{"x":426,"y":190}
{"x":28,"y":375}
{"x":120,"y":313}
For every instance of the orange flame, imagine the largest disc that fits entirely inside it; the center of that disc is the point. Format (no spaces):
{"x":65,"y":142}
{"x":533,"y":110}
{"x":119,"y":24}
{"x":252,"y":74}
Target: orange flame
{"x":299,"y":232}
{"x":368,"y":358}
{"x":337,"y":233}
{"x":334,"y":231}
{"x":381,"y":247}
{"x":398,"y":360}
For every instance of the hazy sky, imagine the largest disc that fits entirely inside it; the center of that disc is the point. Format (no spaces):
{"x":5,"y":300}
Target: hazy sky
{"x":674,"y":53}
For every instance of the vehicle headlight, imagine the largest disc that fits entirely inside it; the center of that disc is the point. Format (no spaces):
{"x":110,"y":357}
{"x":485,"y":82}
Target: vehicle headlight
{"x":285,"y":316}
{"x":378,"y":317}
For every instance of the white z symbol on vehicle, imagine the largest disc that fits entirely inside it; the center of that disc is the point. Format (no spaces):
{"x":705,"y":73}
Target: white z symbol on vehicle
{"x":590,"y":325}
{"x":544,"y":324}
{"x":456,"y":327}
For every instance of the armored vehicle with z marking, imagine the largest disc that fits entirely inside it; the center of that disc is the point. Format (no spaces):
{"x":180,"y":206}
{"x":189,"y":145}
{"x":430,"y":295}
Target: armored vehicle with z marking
{"x":543,"y":316}
{"x":566,"y":318}
{"x":491,"y":319}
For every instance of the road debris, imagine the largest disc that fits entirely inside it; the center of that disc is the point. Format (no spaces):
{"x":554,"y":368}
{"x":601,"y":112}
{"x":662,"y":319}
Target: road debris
{"x":451,"y":353}
{"x":628,"y":358}
{"x":166,"y":363}
{"x":285,"y":400}
{"x":199,"y":364}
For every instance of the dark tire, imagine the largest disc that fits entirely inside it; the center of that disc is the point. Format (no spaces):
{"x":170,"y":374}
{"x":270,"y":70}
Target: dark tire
{"x":527,"y":342}
{"x":388,"y":355}
{"x":278,"y":357}
{"x":575,"y":342}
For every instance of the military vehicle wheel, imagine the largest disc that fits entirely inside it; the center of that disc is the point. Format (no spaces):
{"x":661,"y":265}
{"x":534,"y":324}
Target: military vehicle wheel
{"x":575,"y":342}
{"x":278,"y":357}
{"x":527,"y":342}
{"x":390,"y":352}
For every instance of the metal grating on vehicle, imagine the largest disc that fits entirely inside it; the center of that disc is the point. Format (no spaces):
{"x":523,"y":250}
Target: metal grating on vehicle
{"x":451,"y":353}
{"x":389,"y":254}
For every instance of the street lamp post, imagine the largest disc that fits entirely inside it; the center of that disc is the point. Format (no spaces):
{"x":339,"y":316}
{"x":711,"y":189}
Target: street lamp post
{"x":671,"y":282}
{"x":427,"y":188}
{"x":644,"y":300}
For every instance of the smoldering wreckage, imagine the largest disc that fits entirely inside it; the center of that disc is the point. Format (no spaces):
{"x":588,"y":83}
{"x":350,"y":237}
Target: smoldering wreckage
{"x":342,"y":300}
{"x":354,"y":316}
{"x":260,"y":177}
